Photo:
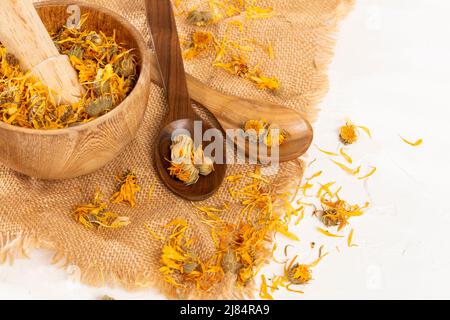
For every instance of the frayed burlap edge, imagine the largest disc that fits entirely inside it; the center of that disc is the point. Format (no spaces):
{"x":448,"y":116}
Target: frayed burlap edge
{"x":16,"y":246}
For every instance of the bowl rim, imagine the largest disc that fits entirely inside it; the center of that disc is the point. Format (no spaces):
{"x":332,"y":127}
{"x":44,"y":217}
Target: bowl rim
{"x":82,"y":127}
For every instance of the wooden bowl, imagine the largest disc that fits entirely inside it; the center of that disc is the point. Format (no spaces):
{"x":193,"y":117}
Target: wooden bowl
{"x":76,"y":151}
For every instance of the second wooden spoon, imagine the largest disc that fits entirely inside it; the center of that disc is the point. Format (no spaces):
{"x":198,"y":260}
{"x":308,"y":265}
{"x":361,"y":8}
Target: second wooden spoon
{"x":232,"y":112}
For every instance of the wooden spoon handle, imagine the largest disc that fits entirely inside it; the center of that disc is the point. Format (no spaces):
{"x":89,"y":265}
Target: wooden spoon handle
{"x":198,"y":91}
{"x":219,"y":104}
{"x":24,"y":35}
{"x":167,"y":47}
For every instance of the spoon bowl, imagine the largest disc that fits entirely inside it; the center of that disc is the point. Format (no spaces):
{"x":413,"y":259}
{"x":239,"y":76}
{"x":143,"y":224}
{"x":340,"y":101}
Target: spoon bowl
{"x":206,"y":186}
{"x":80,"y":150}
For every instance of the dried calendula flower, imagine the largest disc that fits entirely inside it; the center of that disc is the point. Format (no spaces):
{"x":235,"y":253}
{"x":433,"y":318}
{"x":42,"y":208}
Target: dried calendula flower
{"x":187,"y":165}
{"x":295,"y":274}
{"x":275,"y":136}
{"x":261,"y":130}
{"x":95,"y":214}
{"x":299,"y":274}
{"x":64,"y":113}
{"x":180,"y":266}
{"x":185,"y":172}
{"x":102,"y":83}
{"x":200,"y":42}
{"x":95,"y":38}
{"x":205,"y":165}
{"x":230,"y":262}
{"x":128,"y":187}
{"x":202,"y":39}
{"x":127,"y":66}
{"x":99,"y":106}
{"x":236,"y":66}
{"x":337,"y":212}
{"x":258,"y":126}
{"x":181,"y":148}
{"x":26,"y":102}
{"x":190,"y":267}
{"x":349,"y":133}
{"x":11,"y":59}
{"x":199,"y":18}
{"x":329,"y":217}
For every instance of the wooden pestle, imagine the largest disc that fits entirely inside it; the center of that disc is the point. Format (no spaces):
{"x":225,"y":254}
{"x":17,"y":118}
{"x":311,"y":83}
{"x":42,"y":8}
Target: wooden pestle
{"x":25,"y":36}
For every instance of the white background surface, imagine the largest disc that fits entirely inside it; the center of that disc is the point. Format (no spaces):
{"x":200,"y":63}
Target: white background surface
{"x":391,"y":73}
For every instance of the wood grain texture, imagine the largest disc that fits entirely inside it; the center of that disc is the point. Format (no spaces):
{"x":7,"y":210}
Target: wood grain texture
{"x":181,"y":114}
{"x":232,"y":112}
{"x":168,"y":52}
{"x":24,"y":35}
{"x":76,"y":151}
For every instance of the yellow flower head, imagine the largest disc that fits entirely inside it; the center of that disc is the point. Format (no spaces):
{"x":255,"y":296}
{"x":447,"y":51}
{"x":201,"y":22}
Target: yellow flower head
{"x":96,"y":215}
{"x":185,"y":172}
{"x":275,"y":138}
{"x":349,"y":133}
{"x":300,"y":274}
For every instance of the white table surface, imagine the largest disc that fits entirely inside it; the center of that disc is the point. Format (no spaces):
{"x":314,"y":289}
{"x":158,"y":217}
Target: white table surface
{"x":391,"y":73}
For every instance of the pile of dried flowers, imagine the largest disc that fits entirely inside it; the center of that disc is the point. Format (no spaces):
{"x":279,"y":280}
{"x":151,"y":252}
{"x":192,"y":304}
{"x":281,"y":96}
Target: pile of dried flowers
{"x":95,"y":215}
{"x":231,"y":52}
{"x":269,"y":133}
{"x":106,"y":69}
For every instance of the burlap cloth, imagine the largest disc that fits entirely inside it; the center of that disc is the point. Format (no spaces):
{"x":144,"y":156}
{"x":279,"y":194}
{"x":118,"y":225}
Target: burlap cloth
{"x":36,"y":213}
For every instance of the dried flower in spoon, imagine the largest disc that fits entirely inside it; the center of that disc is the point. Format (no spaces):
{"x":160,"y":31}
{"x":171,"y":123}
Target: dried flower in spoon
{"x":261,"y":130}
{"x":186,"y":164}
{"x":204,"y":164}
{"x":275,"y":136}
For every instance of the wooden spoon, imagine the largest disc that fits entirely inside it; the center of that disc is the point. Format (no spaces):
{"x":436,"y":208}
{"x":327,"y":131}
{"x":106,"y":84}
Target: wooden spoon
{"x":181,"y":114}
{"x":24,"y":35}
{"x":232,"y":112}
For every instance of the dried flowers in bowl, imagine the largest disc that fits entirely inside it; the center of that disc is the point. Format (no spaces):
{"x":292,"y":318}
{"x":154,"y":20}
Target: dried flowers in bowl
{"x":106,"y":69}
{"x":111,"y":58}
{"x":187,"y":162}
{"x":263,"y":131}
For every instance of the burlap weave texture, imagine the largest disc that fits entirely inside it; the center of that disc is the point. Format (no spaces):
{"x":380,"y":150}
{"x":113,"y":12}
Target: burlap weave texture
{"x":36,"y":213}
